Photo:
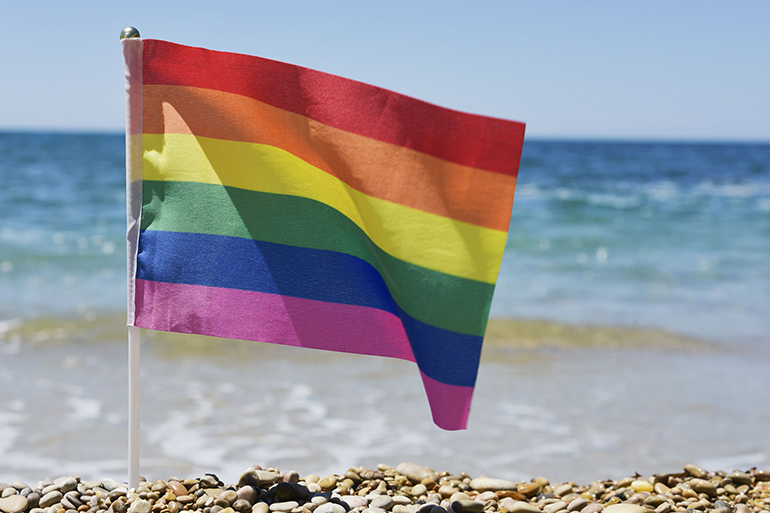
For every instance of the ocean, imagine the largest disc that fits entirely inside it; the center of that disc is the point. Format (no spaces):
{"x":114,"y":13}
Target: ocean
{"x":630,"y":333}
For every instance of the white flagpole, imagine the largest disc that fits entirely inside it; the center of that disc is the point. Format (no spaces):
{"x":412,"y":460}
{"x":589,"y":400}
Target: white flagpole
{"x":132,"y":52}
{"x":133,"y":407}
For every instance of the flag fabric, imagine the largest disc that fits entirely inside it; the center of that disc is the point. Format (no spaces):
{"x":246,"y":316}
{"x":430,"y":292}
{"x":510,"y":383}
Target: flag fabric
{"x":285,"y":205}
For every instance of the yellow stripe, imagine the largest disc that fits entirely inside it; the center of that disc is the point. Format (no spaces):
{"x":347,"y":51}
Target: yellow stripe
{"x":418,"y":237}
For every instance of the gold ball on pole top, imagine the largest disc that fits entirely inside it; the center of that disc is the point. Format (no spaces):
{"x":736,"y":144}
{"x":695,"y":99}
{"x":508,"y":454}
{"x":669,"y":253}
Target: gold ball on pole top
{"x":129,"y":32}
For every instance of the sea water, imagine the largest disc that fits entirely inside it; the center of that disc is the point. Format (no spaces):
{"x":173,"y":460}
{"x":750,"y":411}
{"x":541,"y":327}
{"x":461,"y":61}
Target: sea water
{"x":630,"y":333}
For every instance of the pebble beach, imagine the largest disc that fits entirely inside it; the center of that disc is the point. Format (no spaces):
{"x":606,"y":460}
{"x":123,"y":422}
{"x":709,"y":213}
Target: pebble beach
{"x":406,"y":488}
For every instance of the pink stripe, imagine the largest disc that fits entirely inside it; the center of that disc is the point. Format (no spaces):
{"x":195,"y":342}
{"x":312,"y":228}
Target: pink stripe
{"x":263,"y":317}
{"x":449,"y":404}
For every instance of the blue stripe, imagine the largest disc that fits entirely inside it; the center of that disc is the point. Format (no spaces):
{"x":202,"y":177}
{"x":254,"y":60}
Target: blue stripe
{"x":321,"y":275}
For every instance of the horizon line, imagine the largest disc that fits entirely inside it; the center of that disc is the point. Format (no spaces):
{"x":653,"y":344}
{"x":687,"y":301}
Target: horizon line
{"x":646,"y":139}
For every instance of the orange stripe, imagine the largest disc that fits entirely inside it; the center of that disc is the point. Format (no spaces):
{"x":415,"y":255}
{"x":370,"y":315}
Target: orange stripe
{"x":373,"y":167}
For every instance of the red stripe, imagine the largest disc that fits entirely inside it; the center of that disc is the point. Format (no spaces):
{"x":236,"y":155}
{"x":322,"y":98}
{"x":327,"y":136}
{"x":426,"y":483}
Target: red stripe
{"x":477,"y":141}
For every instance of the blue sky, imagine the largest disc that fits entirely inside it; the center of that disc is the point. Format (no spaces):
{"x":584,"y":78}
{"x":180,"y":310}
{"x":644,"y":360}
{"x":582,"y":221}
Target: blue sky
{"x":590,"y":69}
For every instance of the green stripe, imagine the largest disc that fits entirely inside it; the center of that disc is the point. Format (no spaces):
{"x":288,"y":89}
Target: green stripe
{"x":441,"y":300}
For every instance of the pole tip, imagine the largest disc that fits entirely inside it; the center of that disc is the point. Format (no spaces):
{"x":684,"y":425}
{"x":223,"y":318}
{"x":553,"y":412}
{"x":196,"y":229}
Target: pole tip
{"x":129,"y":32}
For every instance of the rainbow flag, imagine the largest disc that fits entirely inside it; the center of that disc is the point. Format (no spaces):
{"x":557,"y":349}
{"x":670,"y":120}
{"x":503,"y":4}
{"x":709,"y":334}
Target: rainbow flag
{"x":285,"y":205}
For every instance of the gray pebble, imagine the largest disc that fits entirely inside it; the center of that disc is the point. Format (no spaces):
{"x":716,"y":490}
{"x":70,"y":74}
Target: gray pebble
{"x":577,"y":504}
{"x":487,"y":484}
{"x":48,"y":489}
{"x":467,"y":506}
{"x":109,"y":484}
{"x":382,"y":502}
{"x":354,"y":501}
{"x":283,"y":507}
{"x":254,"y":477}
{"x":50,"y":498}
{"x":416,"y":473}
{"x":140,"y":506}
{"x":88,"y":485}
{"x":74,"y":498}
{"x":13,"y":504}
{"x":329,"y":507}
{"x":19,"y":485}
{"x":66,"y":484}
{"x":242,"y":506}
{"x":33,"y":499}
{"x":67,"y":504}
{"x":248,"y":494}
{"x":209,"y":481}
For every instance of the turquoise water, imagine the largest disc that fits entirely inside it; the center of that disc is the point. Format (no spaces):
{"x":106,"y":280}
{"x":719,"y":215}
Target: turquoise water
{"x":673,"y":236}
{"x":62,"y":224}
{"x":640,"y":236}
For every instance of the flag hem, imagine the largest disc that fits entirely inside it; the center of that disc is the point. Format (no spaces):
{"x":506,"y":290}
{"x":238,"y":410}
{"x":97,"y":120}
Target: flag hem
{"x":132,"y":54}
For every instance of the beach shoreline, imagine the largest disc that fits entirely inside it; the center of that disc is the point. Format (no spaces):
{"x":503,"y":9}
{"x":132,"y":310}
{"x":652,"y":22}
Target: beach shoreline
{"x":551,"y":399}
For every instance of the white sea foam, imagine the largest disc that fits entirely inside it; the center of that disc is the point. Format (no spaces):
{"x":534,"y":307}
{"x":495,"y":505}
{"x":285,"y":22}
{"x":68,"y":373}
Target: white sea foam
{"x":614,"y":201}
{"x":84,"y":408}
{"x":729,"y":190}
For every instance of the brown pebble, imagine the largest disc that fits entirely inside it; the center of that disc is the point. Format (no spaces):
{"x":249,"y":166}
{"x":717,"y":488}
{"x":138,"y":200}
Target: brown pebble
{"x":328,"y":482}
{"x":529,"y":490}
{"x":740,"y":477}
{"x":501,"y":494}
{"x":177,"y":488}
{"x":694,"y":470}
